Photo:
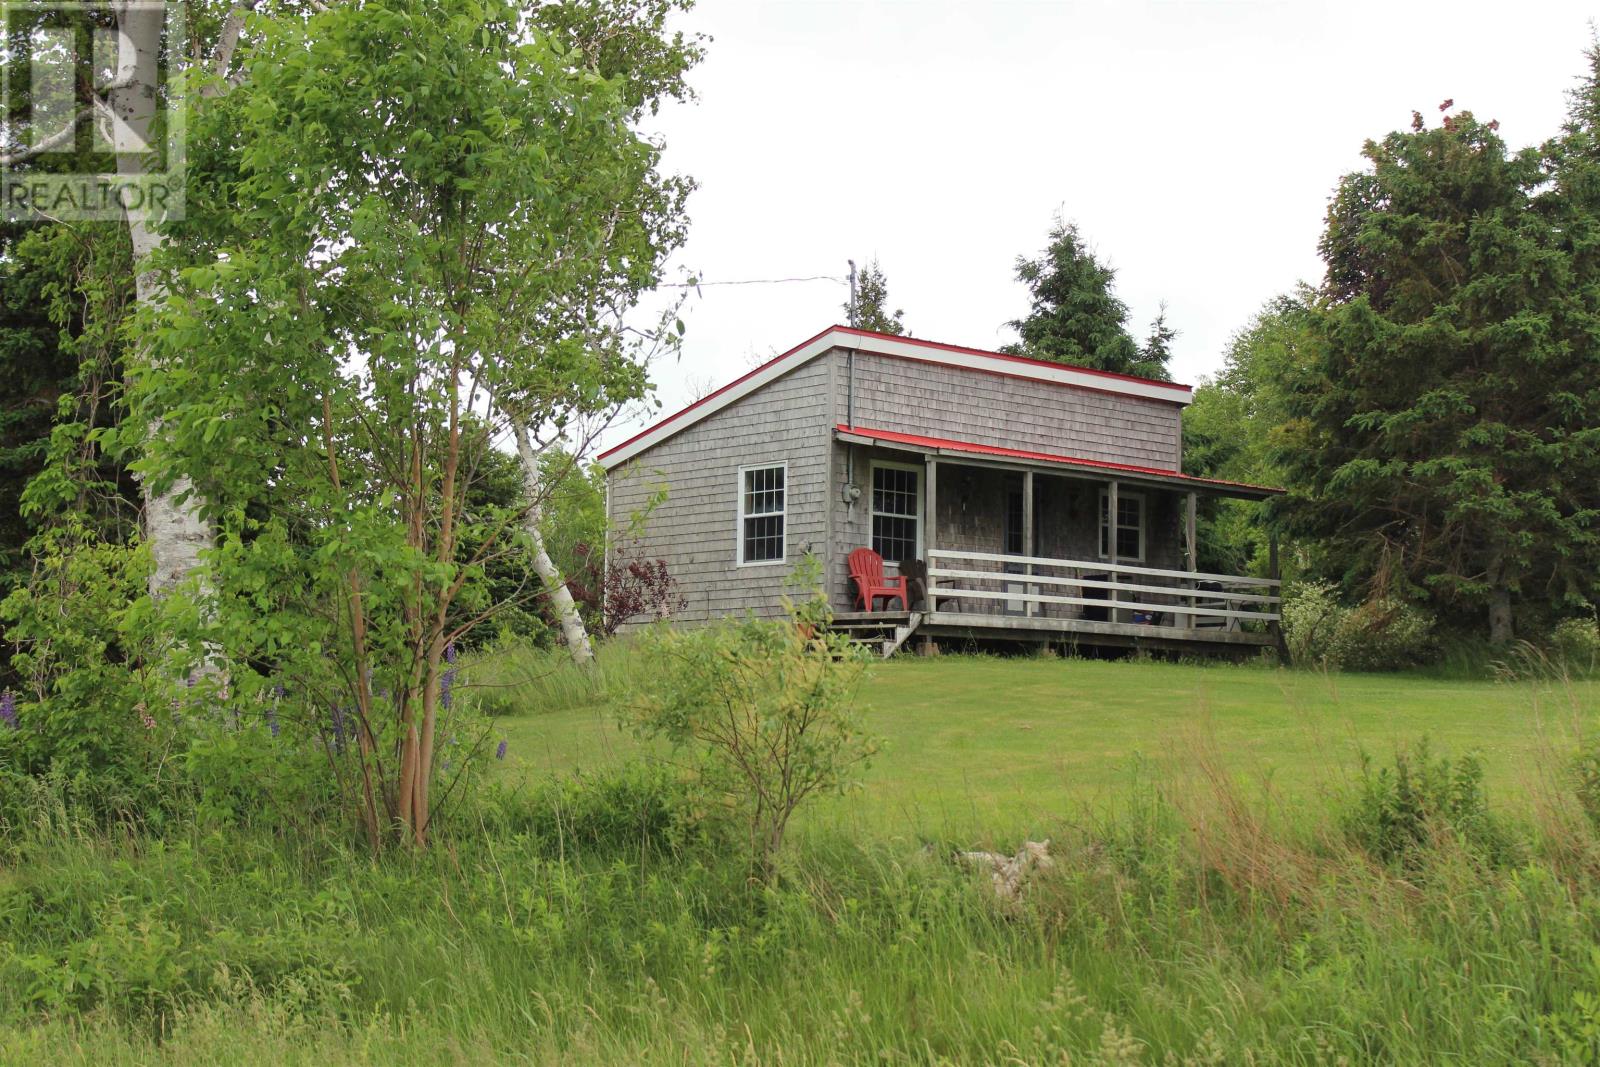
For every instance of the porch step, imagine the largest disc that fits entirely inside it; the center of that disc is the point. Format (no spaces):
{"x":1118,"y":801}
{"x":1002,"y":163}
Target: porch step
{"x":884,"y":636}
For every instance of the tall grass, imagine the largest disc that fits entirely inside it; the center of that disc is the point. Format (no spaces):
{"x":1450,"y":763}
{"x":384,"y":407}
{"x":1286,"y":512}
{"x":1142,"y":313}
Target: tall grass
{"x":600,"y":921}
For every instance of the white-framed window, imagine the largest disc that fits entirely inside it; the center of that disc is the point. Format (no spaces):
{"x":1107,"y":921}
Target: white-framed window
{"x":763,"y":509}
{"x":1130,"y":525}
{"x":896,"y":510}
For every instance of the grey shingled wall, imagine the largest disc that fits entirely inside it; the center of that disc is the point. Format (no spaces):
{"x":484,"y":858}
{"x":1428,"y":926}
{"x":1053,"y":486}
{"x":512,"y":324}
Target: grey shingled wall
{"x":694,"y":527}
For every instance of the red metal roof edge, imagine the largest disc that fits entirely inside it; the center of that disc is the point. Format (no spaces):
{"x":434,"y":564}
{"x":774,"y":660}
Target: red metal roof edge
{"x":853,"y":331}
{"x":1045,"y":457}
{"x":1009,"y":357}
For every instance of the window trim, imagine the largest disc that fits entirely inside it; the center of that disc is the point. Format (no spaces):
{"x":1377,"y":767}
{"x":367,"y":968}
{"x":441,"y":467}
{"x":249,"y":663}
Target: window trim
{"x":740,"y":516}
{"x":1104,"y":508}
{"x":921,"y":471}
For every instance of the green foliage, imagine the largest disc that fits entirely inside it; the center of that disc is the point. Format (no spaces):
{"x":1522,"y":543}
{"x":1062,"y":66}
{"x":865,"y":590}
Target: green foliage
{"x":871,"y":310}
{"x":636,"y":808}
{"x":1375,"y":635}
{"x":763,"y":711}
{"x":1442,"y":438}
{"x":1312,"y":617}
{"x":330,"y":335}
{"x":1075,"y":316}
{"x":1399,"y":814}
{"x":1576,"y":643}
{"x":1231,"y":429}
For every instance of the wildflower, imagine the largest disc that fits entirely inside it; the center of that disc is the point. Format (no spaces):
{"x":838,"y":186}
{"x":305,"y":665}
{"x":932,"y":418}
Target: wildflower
{"x":272,"y":720}
{"x":8,"y":709}
{"x":338,"y":729}
{"x":500,"y":750}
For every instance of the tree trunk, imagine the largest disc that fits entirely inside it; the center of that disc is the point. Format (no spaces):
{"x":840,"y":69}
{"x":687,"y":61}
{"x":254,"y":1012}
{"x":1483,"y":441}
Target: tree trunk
{"x":566,"y":609}
{"x":1499,"y":604}
{"x":174,"y":529}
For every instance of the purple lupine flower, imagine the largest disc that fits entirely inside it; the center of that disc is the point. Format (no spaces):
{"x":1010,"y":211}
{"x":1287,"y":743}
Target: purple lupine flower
{"x":338,"y":729}
{"x":272,"y":719}
{"x":500,"y":750}
{"x":8,"y":709}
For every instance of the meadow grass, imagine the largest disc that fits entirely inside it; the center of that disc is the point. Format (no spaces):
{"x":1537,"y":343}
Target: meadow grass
{"x":1216,"y":901}
{"x":1001,"y":747}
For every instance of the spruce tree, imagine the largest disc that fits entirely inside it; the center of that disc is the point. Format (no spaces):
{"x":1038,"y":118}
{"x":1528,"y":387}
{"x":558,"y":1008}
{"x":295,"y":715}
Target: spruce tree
{"x":1075,"y":315}
{"x":871,"y":310}
{"x":1444,"y":438}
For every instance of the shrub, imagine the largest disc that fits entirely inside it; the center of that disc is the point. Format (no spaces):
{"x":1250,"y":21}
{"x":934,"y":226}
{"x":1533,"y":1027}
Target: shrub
{"x":1576,"y":643}
{"x":765,"y":711}
{"x":1312,"y":615}
{"x":1398,"y":813}
{"x":1384,"y":635}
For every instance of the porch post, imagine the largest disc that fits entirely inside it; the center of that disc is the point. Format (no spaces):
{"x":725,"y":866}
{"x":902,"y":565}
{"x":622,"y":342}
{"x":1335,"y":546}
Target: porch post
{"x":1111,"y":546}
{"x":930,"y":522}
{"x":1192,"y":560}
{"x":1027,"y":537}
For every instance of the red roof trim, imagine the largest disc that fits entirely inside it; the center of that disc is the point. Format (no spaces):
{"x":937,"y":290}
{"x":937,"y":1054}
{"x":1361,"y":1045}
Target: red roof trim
{"x":1044,"y":457}
{"x":1010,"y":358}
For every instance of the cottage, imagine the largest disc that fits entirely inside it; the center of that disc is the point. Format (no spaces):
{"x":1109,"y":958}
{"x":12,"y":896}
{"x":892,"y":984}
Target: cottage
{"x":1027,"y":500}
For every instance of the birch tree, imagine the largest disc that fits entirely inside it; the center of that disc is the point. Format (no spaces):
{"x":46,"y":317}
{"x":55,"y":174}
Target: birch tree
{"x":124,"y":109}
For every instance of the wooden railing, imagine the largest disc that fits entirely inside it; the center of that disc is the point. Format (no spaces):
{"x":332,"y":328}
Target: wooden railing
{"x":1192,"y":598}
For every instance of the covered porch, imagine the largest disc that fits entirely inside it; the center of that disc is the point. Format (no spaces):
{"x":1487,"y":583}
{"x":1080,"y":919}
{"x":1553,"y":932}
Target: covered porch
{"x":1009,"y":545}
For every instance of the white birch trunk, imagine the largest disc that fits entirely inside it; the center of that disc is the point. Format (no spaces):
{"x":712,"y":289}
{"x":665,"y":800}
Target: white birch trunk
{"x":175,"y":530}
{"x":566,"y":609}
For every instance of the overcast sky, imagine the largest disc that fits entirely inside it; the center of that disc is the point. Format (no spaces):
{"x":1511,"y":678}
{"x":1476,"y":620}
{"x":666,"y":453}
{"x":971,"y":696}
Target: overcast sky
{"x":1195,"y":143}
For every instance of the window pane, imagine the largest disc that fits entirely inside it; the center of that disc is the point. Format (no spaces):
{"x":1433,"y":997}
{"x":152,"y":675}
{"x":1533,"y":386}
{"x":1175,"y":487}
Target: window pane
{"x":763,"y":491}
{"x":894,"y":538}
{"x":763,"y":538}
{"x":894,"y":491}
{"x":1128,"y":542}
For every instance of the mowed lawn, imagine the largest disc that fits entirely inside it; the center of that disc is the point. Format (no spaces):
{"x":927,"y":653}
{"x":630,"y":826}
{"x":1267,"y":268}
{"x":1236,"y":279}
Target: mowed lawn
{"x":982,"y":746}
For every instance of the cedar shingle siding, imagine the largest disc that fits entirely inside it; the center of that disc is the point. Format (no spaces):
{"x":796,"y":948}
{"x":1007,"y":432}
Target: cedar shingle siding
{"x":791,"y":420}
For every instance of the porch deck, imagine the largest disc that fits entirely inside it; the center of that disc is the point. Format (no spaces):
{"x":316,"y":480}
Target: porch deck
{"x":989,"y":596}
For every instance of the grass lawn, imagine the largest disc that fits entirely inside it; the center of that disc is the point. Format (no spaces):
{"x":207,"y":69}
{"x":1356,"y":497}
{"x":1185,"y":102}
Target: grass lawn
{"x":996,"y":747}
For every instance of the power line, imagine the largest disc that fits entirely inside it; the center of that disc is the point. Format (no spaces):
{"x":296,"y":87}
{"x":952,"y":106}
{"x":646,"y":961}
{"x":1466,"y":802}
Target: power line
{"x":757,"y":281}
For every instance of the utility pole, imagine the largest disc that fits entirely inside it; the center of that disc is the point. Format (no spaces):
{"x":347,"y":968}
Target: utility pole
{"x":852,"y":291}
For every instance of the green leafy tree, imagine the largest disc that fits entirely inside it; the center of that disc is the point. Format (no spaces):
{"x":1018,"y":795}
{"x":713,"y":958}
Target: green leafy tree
{"x":1231,"y":429}
{"x":431,"y":203}
{"x":1444,"y":440}
{"x":871,"y":310}
{"x":1157,"y":348}
{"x":1075,"y":315}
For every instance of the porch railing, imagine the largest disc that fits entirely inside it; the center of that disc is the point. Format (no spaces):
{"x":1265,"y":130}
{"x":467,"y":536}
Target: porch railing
{"x":1068,"y":588}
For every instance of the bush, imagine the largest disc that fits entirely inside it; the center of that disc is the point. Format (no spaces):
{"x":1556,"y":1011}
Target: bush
{"x":1312,"y":615}
{"x":764,"y":710}
{"x":1399,"y":813}
{"x":1382,"y":634}
{"x":1576,"y":643}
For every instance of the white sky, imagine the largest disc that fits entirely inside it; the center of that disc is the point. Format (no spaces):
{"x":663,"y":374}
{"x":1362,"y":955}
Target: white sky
{"x":1195,"y":143}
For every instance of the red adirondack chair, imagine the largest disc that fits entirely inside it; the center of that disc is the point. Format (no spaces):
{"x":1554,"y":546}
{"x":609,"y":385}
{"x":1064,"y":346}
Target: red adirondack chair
{"x":866,"y":567}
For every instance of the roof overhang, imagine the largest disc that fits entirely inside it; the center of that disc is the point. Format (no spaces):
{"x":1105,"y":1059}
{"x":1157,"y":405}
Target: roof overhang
{"x":991,"y":455}
{"x":910,"y":348}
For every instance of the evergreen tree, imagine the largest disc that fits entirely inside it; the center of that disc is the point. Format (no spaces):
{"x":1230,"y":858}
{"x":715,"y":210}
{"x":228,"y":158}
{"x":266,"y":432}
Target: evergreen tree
{"x":1075,"y":316}
{"x":872,"y":303}
{"x":1157,"y":348}
{"x":1444,"y":440}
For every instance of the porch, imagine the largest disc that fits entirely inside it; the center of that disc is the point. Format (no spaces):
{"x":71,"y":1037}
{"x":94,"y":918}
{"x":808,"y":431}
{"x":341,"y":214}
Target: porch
{"x":1007,"y":546}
